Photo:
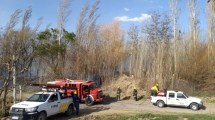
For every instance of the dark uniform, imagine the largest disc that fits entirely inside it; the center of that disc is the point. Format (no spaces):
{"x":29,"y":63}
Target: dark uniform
{"x":118,"y":92}
{"x":135,"y":94}
{"x":76,"y":102}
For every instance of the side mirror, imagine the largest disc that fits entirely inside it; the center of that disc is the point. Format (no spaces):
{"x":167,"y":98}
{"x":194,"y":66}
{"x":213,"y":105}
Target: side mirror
{"x":27,"y":98}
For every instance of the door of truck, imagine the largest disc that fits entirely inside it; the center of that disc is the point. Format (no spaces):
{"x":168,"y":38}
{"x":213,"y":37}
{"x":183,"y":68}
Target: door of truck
{"x":181,"y":99}
{"x":86,"y":91}
{"x":53,"y":104}
{"x":171,"y":98}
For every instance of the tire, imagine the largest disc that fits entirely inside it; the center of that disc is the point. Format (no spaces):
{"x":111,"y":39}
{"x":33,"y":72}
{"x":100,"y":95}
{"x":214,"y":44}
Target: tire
{"x":160,"y":104}
{"x":89,"y":101}
{"x":70,"y":110}
{"x":194,"y":106}
{"x":42,"y":116}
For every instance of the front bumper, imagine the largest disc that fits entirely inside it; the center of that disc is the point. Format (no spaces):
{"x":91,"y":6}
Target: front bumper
{"x":19,"y":114}
{"x":100,"y":97}
{"x":99,"y":100}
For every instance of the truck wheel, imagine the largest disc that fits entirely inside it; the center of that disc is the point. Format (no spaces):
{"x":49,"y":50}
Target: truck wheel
{"x":42,"y":116}
{"x":160,"y":104}
{"x":70,"y":110}
{"x":89,"y":101}
{"x":194,"y":106}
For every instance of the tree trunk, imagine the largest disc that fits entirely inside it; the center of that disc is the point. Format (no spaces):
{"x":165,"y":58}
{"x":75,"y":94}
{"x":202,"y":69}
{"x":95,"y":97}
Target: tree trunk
{"x":14,"y":80}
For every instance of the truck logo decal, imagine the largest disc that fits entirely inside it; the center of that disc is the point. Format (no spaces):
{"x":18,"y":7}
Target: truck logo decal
{"x":63,"y":107}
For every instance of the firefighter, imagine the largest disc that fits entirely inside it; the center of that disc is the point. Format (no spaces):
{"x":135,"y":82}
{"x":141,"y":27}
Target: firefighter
{"x":135,"y":94}
{"x":154,"y":90}
{"x":118,"y":92}
{"x":76,"y":101}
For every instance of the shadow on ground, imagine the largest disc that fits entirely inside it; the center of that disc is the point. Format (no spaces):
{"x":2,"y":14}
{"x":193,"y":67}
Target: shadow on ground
{"x":107,"y":100}
{"x":141,"y":97}
{"x":203,"y":107}
{"x":126,"y":98}
{"x":83,"y":112}
{"x":181,"y":107}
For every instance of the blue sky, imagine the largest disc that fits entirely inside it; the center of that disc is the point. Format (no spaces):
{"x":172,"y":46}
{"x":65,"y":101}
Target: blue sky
{"x":127,"y":11}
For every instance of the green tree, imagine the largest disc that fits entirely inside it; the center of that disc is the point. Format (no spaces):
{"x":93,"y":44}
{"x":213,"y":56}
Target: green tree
{"x":48,"y":49}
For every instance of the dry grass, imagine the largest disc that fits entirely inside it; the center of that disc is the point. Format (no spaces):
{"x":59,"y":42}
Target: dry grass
{"x":126,"y":83}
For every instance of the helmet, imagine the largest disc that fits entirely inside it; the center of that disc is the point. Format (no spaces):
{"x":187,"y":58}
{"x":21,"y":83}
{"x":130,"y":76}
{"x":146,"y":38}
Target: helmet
{"x":156,"y":84}
{"x":75,"y":92}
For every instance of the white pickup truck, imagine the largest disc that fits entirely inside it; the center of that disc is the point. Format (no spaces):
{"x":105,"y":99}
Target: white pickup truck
{"x":177,"y":98}
{"x":42,"y":105}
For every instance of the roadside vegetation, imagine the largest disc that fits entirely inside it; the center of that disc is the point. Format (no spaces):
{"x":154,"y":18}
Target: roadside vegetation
{"x":150,"y":116}
{"x":156,"y":52}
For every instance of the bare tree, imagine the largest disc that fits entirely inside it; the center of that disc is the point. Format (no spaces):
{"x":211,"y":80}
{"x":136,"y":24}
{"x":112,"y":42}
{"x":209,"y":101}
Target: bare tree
{"x":211,"y":30}
{"x":133,"y":34}
{"x":193,"y":17}
{"x":112,"y":49}
{"x":175,"y":14}
{"x":64,"y":12}
{"x":86,"y":35}
{"x":7,"y":56}
{"x":16,"y":51}
{"x":158,"y":33}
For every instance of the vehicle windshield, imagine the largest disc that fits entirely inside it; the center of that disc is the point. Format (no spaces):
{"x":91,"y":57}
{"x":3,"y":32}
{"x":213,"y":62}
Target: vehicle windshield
{"x":38,"y":98}
{"x":93,"y":86}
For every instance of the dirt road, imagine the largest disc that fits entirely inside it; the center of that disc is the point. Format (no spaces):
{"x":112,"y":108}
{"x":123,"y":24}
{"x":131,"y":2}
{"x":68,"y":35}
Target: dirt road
{"x":110,"y":108}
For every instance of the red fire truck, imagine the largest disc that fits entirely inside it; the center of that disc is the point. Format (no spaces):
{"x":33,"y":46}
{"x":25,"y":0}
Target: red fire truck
{"x":88,"y":91}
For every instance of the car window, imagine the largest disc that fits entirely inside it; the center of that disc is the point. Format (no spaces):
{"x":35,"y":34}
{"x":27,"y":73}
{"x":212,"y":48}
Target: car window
{"x":54,"y":97}
{"x":171,"y":95}
{"x":180,"y":95}
{"x":38,"y":98}
{"x":92,"y":86}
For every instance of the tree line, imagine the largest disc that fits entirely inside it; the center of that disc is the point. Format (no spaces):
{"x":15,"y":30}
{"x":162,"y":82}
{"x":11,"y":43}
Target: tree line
{"x":156,"y":52}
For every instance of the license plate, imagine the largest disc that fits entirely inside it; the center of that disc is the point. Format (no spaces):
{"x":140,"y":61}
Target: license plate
{"x":15,"y":117}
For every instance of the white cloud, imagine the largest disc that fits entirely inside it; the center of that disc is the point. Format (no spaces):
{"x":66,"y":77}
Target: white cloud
{"x":126,"y":9}
{"x":142,"y":18}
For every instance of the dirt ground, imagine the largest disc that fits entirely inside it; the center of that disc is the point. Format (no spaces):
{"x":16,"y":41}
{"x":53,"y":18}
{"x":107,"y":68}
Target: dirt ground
{"x":111,"y":108}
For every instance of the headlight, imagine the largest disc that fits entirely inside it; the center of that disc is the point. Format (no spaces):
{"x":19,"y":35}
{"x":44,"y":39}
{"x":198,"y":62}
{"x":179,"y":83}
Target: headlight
{"x":31,"y":109}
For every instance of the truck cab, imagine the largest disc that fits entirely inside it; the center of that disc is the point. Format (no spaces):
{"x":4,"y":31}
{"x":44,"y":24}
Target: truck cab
{"x":177,"y":98}
{"x":91,"y":93}
{"x":42,"y":105}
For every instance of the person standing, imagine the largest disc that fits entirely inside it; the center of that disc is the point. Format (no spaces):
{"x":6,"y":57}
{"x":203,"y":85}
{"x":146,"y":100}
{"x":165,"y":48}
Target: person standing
{"x":76,"y":101}
{"x":118,"y":93}
{"x":135,"y":94}
{"x":154,"y":90}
